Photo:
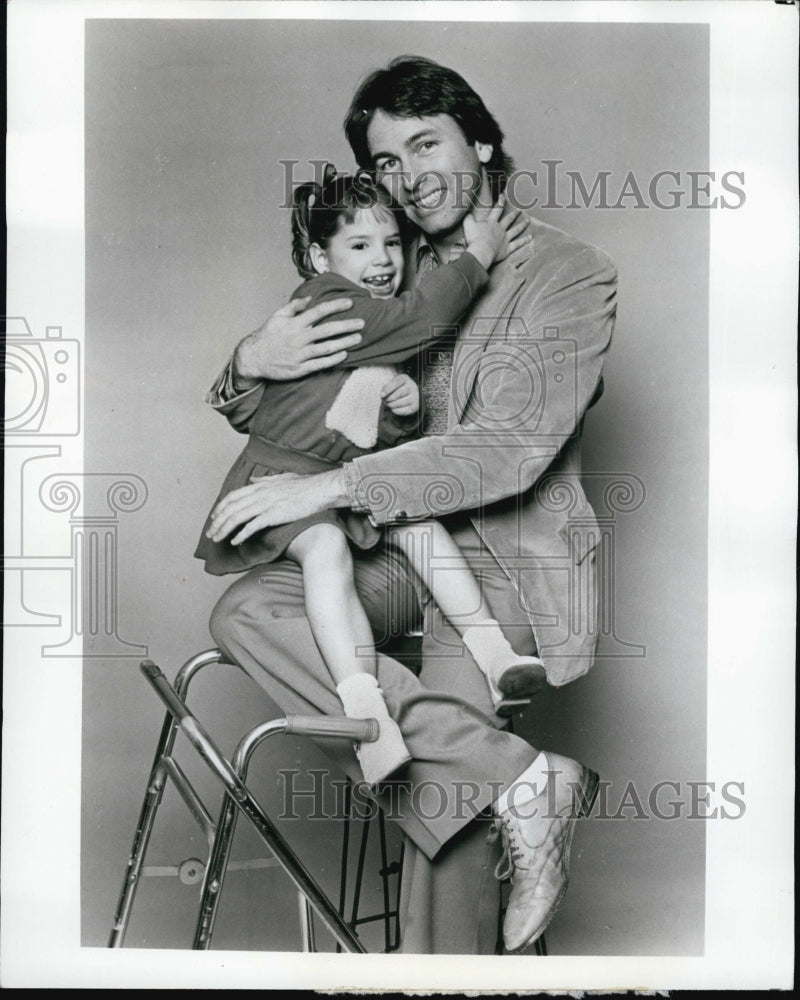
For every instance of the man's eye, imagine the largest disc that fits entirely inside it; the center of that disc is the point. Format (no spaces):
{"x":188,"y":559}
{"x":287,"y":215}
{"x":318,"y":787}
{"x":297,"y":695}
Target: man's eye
{"x":387,"y":165}
{"x":427,"y":145}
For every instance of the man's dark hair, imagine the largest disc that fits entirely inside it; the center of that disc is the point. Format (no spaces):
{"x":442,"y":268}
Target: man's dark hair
{"x":413,"y":87}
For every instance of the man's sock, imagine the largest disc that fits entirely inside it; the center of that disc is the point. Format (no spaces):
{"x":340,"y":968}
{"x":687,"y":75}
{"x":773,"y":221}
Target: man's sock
{"x":525,"y":788}
{"x":489,"y":647}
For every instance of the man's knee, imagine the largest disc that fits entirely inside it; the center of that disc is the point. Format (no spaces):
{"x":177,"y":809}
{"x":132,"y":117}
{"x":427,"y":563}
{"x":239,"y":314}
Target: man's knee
{"x":222,"y":618}
{"x":388,"y":594}
{"x":263,"y":594}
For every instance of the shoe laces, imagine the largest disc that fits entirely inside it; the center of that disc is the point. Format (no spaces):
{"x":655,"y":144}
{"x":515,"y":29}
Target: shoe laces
{"x":512,"y":851}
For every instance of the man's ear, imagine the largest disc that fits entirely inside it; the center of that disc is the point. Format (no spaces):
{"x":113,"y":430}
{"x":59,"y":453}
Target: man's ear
{"x":484,"y":151}
{"x":318,"y":258}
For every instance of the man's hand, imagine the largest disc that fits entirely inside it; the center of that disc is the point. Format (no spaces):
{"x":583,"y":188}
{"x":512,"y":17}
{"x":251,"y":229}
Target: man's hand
{"x":401,"y":395}
{"x":290,"y":346}
{"x":272,"y":500}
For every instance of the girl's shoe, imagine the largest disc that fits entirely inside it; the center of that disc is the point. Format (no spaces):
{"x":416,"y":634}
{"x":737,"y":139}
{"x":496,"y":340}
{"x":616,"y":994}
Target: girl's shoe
{"x":512,"y":687}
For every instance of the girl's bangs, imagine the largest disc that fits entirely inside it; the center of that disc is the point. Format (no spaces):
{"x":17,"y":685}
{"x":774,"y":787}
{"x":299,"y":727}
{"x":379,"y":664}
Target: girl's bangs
{"x":379,"y":209}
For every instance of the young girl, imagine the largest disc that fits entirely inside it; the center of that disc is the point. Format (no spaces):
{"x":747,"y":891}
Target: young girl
{"x":346,"y":242}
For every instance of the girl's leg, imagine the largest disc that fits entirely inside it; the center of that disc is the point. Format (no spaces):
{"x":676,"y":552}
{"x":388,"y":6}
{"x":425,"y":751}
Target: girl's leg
{"x":342,"y":632}
{"x":439,"y":562}
{"x":337,"y":618}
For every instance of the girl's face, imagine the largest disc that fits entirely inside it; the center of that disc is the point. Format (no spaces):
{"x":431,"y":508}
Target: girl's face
{"x":367,"y":252}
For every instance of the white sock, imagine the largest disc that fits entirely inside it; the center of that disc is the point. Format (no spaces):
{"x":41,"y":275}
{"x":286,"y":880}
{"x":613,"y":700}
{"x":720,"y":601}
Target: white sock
{"x":525,"y":788}
{"x":361,"y":697}
{"x":489,"y":647}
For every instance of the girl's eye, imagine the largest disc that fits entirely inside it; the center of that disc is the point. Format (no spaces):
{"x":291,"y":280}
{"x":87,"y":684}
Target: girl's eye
{"x":395,"y":242}
{"x":386,"y":165}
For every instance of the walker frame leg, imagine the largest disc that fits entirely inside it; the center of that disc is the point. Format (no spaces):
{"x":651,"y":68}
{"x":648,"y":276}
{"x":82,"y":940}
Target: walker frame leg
{"x":155,"y":790}
{"x":244,"y":801}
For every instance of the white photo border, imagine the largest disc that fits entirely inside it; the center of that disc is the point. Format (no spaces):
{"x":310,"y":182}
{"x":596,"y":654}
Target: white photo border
{"x":749,"y":900}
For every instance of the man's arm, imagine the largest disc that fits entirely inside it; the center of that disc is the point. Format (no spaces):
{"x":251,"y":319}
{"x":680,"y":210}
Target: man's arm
{"x":529,"y":399}
{"x":294,"y":342}
{"x":275,"y":500}
{"x":288,"y":346}
{"x":509,"y":442}
{"x":395,"y":328}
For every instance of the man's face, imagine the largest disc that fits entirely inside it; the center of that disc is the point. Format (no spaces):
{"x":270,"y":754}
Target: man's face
{"x":429,"y":168}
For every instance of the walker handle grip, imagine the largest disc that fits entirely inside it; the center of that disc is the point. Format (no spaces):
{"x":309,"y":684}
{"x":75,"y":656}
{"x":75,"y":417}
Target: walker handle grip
{"x":149,"y":669}
{"x":365,"y":730}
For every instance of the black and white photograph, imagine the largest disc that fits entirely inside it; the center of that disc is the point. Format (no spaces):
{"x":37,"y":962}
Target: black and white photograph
{"x":400,"y":495}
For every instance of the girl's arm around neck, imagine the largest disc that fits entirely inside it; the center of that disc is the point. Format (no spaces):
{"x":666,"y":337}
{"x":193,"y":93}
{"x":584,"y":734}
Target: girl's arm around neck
{"x":396,"y":328}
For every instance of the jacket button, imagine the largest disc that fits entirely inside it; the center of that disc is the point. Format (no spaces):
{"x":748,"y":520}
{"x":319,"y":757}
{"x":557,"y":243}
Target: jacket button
{"x":400,"y":515}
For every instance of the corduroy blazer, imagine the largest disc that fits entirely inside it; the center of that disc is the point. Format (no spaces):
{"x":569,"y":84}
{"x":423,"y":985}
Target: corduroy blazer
{"x":527,"y":365}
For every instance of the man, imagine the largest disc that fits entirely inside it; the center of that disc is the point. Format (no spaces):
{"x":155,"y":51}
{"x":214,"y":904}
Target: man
{"x":500,"y":466}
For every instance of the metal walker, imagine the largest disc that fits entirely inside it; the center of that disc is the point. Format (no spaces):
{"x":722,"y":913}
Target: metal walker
{"x":238,"y":798}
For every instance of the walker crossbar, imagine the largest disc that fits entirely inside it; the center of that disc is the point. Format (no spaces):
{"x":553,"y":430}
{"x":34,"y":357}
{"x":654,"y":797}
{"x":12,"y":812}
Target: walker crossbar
{"x":238,"y":793}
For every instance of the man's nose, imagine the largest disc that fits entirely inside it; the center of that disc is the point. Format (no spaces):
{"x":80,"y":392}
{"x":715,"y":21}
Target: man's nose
{"x":411,"y":179}
{"x":399,"y":184}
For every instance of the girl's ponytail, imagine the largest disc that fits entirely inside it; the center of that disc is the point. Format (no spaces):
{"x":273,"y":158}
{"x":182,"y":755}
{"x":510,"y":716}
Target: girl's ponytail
{"x":303,"y":201}
{"x":306,"y":198}
{"x":328,"y":174}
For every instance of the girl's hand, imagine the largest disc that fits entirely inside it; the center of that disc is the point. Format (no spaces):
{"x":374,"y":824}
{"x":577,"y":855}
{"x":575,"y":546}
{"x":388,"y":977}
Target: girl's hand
{"x":401,"y":395}
{"x":518,"y":233}
{"x":492,"y":234}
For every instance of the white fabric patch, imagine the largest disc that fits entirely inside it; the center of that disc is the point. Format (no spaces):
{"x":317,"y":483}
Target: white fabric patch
{"x":357,"y":407}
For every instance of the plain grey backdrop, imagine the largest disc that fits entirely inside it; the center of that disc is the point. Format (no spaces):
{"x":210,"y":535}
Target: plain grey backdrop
{"x":187,"y":249}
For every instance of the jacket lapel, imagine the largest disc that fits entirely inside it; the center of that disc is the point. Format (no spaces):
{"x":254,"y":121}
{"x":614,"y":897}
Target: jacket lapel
{"x":478,"y":326}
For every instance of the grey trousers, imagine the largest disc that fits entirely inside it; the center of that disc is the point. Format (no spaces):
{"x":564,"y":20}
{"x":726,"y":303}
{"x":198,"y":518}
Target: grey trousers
{"x":462,"y":758}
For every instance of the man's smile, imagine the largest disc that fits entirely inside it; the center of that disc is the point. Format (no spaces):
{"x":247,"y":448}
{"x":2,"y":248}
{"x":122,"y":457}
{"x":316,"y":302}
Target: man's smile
{"x":431,"y":199}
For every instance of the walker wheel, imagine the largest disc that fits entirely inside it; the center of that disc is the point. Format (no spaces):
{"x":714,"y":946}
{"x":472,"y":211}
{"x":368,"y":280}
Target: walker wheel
{"x":191,"y":871}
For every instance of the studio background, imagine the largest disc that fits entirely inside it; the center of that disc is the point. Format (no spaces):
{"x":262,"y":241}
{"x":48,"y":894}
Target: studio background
{"x":187,"y":249}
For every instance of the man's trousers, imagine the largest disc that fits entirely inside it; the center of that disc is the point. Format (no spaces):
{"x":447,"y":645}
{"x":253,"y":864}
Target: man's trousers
{"x":462,"y":759}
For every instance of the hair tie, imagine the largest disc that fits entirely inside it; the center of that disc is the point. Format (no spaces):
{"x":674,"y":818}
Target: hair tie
{"x":329,"y":174}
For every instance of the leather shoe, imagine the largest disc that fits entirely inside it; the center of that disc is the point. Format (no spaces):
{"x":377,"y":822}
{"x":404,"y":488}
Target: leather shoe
{"x":536,"y":844}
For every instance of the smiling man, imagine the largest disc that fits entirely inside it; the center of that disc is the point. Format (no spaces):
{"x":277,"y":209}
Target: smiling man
{"x":500,"y":465}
